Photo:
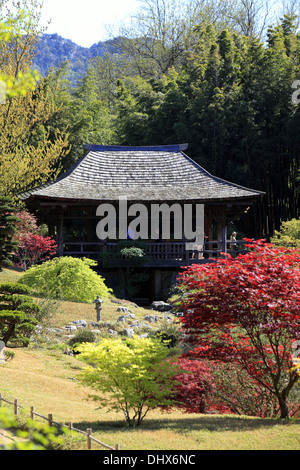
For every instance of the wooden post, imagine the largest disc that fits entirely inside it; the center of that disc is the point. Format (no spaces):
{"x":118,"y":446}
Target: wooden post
{"x":32,"y":412}
{"x":89,"y":440}
{"x":222,"y":231}
{"x":60,"y":234}
{"x":117,"y":447}
{"x":15,"y":406}
{"x":224,"y":238}
{"x":50,"y":419}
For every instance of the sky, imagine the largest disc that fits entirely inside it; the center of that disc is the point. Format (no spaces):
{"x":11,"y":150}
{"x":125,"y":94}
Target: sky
{"x":86,"y":22}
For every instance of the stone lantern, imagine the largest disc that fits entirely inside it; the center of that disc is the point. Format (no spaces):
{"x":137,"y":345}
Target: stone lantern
{"x":98,"y":307}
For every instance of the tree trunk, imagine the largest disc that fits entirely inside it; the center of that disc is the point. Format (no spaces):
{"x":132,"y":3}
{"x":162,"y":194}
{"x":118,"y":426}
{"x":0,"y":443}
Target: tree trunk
{"x":284,"y":410}
{"x":10,"y":331}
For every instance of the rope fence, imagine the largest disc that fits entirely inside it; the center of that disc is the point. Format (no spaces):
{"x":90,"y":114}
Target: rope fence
{"x":51,"y":422}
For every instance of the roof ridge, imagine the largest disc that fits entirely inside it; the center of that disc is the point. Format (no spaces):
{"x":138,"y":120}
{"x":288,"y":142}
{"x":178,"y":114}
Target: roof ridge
{"x":155,"y":148}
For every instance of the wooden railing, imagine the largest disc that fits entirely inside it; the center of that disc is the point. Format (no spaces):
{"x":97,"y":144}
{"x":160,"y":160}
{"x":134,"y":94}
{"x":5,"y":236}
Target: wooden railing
{"x":51,"y":422}
{"x":172,"y":251}
{"x":159,"y":252}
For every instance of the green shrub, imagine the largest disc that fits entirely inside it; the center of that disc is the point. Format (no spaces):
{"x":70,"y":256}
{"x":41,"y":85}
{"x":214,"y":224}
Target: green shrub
{"x":66,"y":278}
{"x":169,"y":334}
{"x":17,"y":314}
{"x":83,"y":336}
{"x":13,"y":288}
{"x":131,"y":376}
{"x":33,"y":435}
{"x":289,"y":234}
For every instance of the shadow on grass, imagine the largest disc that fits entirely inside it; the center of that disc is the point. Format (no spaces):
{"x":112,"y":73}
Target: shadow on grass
{"x":184,"y":424}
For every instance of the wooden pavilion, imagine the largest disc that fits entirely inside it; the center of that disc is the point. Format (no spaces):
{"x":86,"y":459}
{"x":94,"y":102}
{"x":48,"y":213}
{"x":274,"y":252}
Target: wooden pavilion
{"x":148,"y":175}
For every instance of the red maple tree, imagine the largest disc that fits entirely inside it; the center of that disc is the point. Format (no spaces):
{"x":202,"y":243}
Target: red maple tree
{"x":34,"y":248}
{"x":247,"y":311}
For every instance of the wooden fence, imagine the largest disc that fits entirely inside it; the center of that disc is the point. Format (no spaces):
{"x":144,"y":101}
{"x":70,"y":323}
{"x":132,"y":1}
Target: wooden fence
{"x":51,"y":422}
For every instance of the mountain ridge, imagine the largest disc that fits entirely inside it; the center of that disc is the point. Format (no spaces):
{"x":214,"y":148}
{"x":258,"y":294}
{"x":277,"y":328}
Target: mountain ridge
{"x":53,"y":50}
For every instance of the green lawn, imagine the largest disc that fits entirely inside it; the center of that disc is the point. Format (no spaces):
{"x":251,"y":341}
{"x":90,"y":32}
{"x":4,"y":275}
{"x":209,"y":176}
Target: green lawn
{"x":10,"y":275}
{"x":43,"y":377}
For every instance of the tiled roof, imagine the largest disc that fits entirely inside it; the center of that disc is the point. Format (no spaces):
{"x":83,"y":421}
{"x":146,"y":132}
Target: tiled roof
{"x":139,"y":173}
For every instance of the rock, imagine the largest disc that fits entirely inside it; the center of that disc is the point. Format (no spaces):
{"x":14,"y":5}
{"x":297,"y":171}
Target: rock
{"x":71,"y":328}
{"x":179,"y":314}
{"x":112,"y":332}
{"x":123,"y":309}
{"x":130,"y":315}
{"x":38,"y":329}
{"x":94,"y":324}
{"x":96,"y":332}
{"x":80,"y":323}
{"x":129,"y":332}
{"x":55,"y":330}
{"x":136,"y":324}
{"x":122,"y":318}
{"x":68,"y":352}
{"x":161,"y":306}
{"x":145,"y":335}
{"x":168,"y":318}
{"x":151,"y":318}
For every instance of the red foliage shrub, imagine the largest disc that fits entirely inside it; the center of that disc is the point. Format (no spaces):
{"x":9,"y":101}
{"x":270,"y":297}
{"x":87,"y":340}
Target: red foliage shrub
{"x":193,"y":386}
{"x":34,"y":248}
{"x":247,"y":311}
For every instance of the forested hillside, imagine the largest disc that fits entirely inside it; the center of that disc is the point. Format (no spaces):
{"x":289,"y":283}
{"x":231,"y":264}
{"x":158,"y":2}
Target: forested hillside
{"x":54,"y":50}
{"x":213,"y":77}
